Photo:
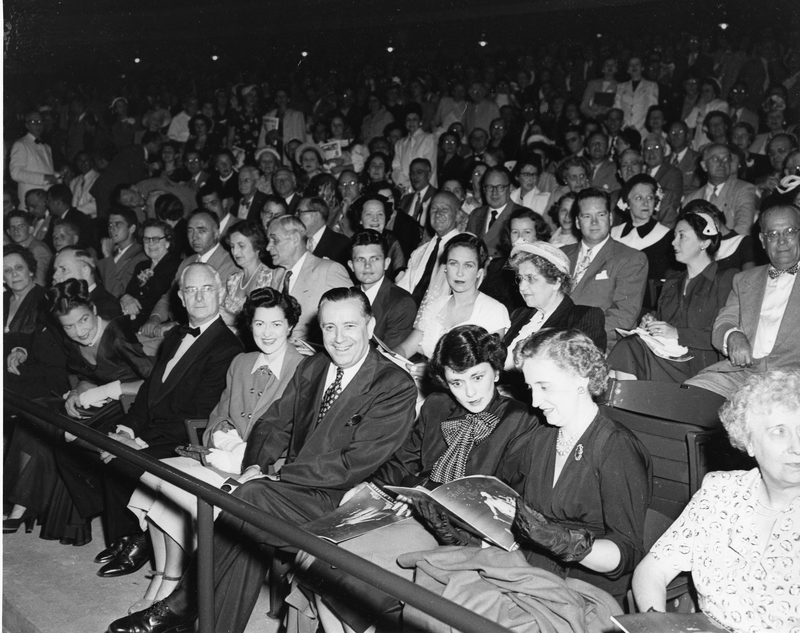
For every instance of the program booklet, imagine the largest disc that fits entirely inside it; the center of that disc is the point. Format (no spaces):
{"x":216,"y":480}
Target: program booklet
{"x":666,"y":623}
{"x":479,"y":504}
{"x":384,"y":349}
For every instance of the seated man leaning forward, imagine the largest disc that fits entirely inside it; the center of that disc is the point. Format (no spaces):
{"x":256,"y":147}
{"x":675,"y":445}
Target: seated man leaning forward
{"x":759,"y":327}
{"x":342,"y":415}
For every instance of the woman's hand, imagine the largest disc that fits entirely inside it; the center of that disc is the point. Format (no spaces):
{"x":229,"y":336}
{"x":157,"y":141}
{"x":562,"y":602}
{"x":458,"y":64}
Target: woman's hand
{"x":662,"y":329}
{"x":72,"y":403}
{"x":251,"y":472}
{"x":439,"y":523}
{"x":567,"y":544}
{"x":647,"y":319}
{"x":130,"y":306}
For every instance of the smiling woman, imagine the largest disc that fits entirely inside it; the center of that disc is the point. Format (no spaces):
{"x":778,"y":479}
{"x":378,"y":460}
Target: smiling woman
{"x":248,"y":244}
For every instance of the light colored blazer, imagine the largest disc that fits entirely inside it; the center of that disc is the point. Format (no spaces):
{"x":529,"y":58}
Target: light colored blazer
{"x":634,"y":105}
{"x":605,"y":178}
{"x":615,"y":282}
{"x":737,"y":200}
{"x":28,"y":164}
{"x":116,"y":275}
{"x":247,"y":395}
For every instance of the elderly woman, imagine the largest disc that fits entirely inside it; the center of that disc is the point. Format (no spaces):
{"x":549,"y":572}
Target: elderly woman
{"x":450,"y":165}
{"x":527,"y":172}
{"x":561,"y":215}
{"x":248,"y":243}
{"x":465,"y":428}
{"x":687,"y":309}
{"x":309,"y":160}
{"x":584,"y":485}
{"x":22,"y":299}
{"x":268,"y":161}
{"x":460,"y":303}
{"x":373,"y":211}
{"x":738,"y":535}
{"x":255,"y":381}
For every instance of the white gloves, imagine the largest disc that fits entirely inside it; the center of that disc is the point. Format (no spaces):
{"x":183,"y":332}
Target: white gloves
{"x":98,"y":396}
{"x":229,"y":451}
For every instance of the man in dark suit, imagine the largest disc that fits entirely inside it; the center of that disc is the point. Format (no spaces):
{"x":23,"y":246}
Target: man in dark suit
{"x":490,"y":221}
{"x":59,"y":204}
{"x":339,"y":419}
{"x":129,"y":166}
{"x":393,"y":307}
{"x":249,"y":206}
{"x":683,"y":157}
{"x":122,"y":251}
{"x":224,"y":178}
{"x":74,"y":263}
{"x":667,"y":176}
{"x":416,"y":204}
{"x":605,"y":273}
{"x":186,"y":382}
{"x":285,"y":185}
{"x":323,"y":242}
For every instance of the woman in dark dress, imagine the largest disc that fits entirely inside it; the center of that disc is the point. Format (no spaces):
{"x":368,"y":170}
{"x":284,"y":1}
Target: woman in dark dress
{"x":449,"y":165}
{"x":107,"y":362}
{"x":152,"y":277}
{"x":22,"y":299}
{"x":687,"y":308}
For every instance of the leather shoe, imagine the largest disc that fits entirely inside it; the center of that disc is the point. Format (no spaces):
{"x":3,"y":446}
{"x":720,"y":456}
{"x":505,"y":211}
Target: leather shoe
{"x":112,"y":551}
{"x":129,"y":560}
{"x":155,"y":619}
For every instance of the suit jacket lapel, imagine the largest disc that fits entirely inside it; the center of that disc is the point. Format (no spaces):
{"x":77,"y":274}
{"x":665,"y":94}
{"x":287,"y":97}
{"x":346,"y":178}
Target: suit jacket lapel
{"x":495,"y":229}
{"x":789,"y":326}
{"x":750,"y":304}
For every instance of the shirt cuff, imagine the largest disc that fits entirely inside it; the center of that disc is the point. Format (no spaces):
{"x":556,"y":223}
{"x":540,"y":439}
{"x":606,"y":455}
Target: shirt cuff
{"x":725,"y":339}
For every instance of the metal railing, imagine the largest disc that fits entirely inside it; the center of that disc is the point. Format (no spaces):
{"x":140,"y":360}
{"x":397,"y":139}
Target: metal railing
{"x":208,"y":496}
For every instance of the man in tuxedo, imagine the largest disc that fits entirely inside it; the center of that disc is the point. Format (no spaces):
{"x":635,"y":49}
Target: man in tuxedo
{"x":129,"y":166}
{"x":306,"y":277}
{"x":423,"y":265}
{"x":31,"y":160}
{"x":322,"y":241}
{"x":736,"y":198}
{"x":667,"y":176}
{"x":682,"y":156}
{"x":393,"y":307}
{"x":759,"y":327}
{"x":122,"y":251}
{"x":341,"y":417}
{"x":285,"y":185}
{"x":605,"y":273}
{"x":490,"y":221}
{"x":252,"y":200}
{"x":186,"y":382}
{"x":74,"y":263}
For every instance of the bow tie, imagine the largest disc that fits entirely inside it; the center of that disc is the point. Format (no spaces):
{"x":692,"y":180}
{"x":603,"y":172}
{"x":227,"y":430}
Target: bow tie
{"x":774,"y":273}
{"x":187,"y":329}
{"x":38,"y":141}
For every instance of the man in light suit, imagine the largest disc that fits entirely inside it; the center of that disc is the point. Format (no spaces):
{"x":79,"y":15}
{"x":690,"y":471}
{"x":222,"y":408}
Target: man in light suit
{"x":736,"y":198}
{"x":122,"y":251}
{"x":635,"y":97}
{"x":605,"y":273}
{"x":330,"y":447}
{"x":31,"y":160}
{"x":668,"y":177}
{"x":394,"y":308}
{"x":292,"y":122}
{"x":186,"y":382}
{"x":306,"y":277}
{"x":682,"y":156}
{"x":604,"y":171}
{"x":490,"y":221}
{"x":759,"y":327}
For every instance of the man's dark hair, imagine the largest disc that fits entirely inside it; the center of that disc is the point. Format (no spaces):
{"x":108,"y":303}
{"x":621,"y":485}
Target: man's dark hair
{"x":343,"y":294}
{"x":206,"y":190}
{"x":60,"y":193}
{"x":129,"y":215}
{"x":205,"y":212}
{"x":497,"y":169}
{"x":368,"y":237}
{"x":19,"y":213}
{"x":421,"y":161}
{"x":591,"y":192}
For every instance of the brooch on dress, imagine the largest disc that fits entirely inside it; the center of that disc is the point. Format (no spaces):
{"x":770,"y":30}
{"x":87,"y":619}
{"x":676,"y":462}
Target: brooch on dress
{"x":578,"y":452}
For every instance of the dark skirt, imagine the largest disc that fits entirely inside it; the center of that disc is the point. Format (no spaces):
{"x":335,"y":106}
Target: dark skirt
{"x":632,"y":356}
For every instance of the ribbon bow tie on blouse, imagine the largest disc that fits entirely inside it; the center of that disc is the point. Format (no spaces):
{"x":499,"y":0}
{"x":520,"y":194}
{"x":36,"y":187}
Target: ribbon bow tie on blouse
{"x":774,"y":273}
{"x":461,"y":435}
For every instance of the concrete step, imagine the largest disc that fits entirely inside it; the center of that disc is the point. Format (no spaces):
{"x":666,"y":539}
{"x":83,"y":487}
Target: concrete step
{"x":54,"y":588}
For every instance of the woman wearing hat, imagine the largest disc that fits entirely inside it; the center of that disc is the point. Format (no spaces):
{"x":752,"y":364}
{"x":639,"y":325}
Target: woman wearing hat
{"x":309,"y":158}
{"x":709,"y":101}
{"x":686,"y":311}
{"x":268,"y":160}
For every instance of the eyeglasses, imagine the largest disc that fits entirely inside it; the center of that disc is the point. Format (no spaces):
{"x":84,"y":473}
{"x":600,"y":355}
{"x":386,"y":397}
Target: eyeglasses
{"x":528,"y":279}
{"x":495,"y":188}
{"x":725,"y":160}
{"x":153,"y":240}
{"x":195,"y":290}
{"x":528,"y":174}
{"x":787,"y":234}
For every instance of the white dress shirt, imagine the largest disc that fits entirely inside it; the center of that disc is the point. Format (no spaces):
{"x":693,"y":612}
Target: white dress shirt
{"x":373,"y":292}
{"x":776,"y":298}
{"x":186,"y":343}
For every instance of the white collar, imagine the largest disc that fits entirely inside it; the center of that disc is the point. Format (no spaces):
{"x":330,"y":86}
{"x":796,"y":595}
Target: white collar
{"x":298,"y":266}
{"x":347,"y":374}
{"x":274,"y":366}
{"x":205,"y":325}
{"x":92,"y":287}
{"x":122,"y":252}
{"x":421,"y":193}
{"x":372,"y":293}
{"x":206,"y":256}
{"x":596,"y":248}
{"x":318,"y":236}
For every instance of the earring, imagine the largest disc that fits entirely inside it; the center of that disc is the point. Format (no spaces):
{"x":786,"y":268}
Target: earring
{"x":581,"y":390}
{"x":702,"y":248}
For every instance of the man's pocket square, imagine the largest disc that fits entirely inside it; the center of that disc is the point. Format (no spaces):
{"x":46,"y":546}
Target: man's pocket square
{"x":603,"y":274}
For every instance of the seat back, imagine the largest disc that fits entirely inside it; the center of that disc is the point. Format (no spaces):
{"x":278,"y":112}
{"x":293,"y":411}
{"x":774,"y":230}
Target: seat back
{"x":193,"y":428}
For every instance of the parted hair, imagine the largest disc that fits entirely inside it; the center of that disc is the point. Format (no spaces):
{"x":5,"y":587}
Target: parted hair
{"x":271,"y":298}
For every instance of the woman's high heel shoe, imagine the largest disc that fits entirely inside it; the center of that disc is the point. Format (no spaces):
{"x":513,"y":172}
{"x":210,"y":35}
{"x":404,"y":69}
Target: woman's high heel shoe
{"x":12,"y":525}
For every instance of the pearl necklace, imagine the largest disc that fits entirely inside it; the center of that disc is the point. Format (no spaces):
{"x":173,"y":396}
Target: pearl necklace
{"x":98,"y":333}
{"x":564,"y":445}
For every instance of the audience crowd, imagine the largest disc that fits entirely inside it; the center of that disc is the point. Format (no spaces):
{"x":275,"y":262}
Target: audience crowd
{"x":404,"y":276}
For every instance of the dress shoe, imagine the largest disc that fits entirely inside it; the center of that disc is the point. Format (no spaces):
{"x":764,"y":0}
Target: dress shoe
{"x":12,"y":525}
{"x":112,"y":551}
{"x":129,"y":560}
{"x":155,"y":619}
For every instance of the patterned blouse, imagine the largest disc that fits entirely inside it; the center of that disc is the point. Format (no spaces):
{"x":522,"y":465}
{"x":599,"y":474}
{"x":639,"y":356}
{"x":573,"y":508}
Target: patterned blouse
{"x":237,"y":293}
{"x":744,"y":557}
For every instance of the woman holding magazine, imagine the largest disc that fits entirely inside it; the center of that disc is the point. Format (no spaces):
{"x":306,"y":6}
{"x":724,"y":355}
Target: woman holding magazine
{"x":467,"y":429}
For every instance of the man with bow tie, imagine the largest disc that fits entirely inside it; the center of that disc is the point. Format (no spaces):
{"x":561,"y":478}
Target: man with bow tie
{"x":31,"y":160}
{"x":252,"y":201}
{"x":186,"y":382}
{"x":341,"y":417}
{"x":759,"y":327}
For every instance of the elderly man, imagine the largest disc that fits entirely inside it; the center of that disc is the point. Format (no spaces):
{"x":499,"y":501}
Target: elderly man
{"x":490,"y":221}
{"x":186,"y":382}
{"x":343,"y":414}
{"x":394,"y":308}
{"x":667,"y":176}
{"x":604,"y":171}
{"x":74,"y":263}
{"x":634,"y":97}
{"x":202,"y":230}
{"x":418,"y":144}
{"x":20,"y":230}
{"x":306,"y":277}
{"x":179,"y":126}
{"x":31,"y":160}
{"x":423,"y":263}
{"x":322,"y":241}
{"x":759,"y":327}
{"x":122,"y":251}
{"x":59,"y":204}
{"x":284,"y":184}
{"x":736,"y":198}
{"x":682,"y":156}
{"x":605,"y":273}
{"x":252,"y":200}
{"x":416,"y":203}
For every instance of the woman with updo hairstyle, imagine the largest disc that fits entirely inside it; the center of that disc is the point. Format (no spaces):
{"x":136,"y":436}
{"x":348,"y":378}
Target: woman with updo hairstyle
{"x":638,"y":204}
{"x":464,"y":428}
{"x":687,"y":308}
{"x":374,"y":211}
{"x":255,"y":380}
{"x":735,"y":250}
{"x":153,"y":277}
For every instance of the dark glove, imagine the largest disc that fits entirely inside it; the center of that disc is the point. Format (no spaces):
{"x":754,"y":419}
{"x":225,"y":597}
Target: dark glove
{"x":564,"y":543}
{"x":439,"y":523}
